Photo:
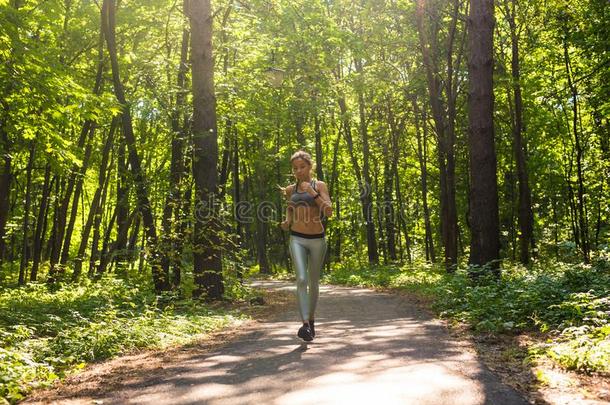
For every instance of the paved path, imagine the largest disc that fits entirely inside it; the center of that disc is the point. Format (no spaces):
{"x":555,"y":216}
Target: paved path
{"x":371,"y":348}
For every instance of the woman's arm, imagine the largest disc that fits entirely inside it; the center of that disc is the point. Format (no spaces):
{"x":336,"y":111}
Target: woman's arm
{"x":323,"y":201}
{"x":285,"y":225}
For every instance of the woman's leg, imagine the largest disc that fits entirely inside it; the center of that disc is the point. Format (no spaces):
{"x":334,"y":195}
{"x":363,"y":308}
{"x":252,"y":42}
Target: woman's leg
{"x":317,"y":251}
{"x":299,"y":255}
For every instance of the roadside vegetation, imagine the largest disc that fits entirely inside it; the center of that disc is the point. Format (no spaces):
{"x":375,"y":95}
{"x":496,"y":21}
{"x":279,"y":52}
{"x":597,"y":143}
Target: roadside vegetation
{"x":50,"y":331}
{"x":567,"y":302}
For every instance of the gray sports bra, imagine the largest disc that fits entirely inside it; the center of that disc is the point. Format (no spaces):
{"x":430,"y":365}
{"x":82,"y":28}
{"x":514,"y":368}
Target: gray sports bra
{"x":303,"y":197}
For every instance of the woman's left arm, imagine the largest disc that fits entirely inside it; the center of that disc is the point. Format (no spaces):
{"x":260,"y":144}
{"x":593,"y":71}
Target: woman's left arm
{"x":323,"y":201}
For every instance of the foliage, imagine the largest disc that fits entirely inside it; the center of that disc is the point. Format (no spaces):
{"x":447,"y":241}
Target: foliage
{"x":46,"y":333}
{"x":351,"y":68}
{"x":569,"y":302}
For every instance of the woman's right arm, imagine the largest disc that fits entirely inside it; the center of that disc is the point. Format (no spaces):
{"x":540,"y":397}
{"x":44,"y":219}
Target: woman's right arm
{"x":285,"y":225}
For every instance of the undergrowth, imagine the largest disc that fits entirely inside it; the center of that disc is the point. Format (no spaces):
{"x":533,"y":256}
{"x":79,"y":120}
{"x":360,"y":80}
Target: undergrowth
{"x":47,"y":332}
{"x":568,"y":302}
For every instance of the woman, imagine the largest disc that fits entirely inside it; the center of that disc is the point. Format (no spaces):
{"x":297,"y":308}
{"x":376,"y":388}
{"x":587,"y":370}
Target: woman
{"x":307,"y":200}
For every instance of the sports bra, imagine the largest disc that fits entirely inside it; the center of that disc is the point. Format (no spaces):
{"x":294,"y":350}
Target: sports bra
{"x":301,"y":198}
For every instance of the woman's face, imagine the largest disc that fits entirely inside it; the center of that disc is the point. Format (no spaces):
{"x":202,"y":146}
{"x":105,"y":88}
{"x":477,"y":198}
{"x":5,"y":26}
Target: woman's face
{"x":301,"y":169}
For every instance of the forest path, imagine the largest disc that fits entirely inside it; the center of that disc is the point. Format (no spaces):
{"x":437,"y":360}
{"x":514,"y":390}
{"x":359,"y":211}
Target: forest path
{"x":371,"y":348}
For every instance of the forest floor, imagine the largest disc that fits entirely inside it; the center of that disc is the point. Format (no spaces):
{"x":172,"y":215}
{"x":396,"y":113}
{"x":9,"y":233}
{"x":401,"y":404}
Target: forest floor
{"x":371,"y":347}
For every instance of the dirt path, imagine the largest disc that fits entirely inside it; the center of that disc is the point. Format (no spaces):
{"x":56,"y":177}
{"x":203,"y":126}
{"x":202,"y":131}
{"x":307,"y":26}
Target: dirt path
{"x":371,"y":348}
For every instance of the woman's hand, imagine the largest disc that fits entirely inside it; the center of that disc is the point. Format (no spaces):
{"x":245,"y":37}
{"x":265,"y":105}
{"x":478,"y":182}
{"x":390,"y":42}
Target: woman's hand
{"x":282,"y":190}
{"x":285,"y":225}
{"x":309,"y":189}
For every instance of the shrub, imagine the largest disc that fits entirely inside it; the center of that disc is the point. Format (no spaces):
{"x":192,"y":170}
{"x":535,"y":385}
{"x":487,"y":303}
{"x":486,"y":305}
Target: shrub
{"x":570,"y":300}
{"x":45,"y":333}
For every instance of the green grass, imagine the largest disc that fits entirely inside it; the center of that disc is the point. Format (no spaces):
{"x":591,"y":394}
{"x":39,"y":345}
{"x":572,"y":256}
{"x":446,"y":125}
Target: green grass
{"x":569,"y":302}
{"x":47,"y":333}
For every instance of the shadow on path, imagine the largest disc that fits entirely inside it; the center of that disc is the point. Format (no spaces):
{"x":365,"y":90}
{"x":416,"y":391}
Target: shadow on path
{"x":370,"y":348}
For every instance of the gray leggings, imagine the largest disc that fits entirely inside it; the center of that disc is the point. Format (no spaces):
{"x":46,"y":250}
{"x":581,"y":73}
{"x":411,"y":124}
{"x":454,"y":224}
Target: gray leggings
{"x":306,"y":252}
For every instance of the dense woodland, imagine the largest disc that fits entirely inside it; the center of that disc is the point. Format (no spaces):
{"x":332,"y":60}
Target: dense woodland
{"x":143,"y":143}
{"x":129,"y":141}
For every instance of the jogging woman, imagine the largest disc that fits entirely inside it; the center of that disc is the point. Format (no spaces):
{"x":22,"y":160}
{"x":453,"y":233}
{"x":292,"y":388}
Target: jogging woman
{"x":308,"y":201}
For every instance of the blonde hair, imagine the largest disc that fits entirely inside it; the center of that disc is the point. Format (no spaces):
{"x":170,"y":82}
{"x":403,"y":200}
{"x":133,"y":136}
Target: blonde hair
{"x":300,"y":154}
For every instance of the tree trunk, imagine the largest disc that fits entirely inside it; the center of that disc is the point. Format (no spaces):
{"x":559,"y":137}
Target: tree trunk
{"x":379,"y":211}
{"x":582,"y":217}
{"x":319,"y":175}
{"x":122,"y":205}
{"x":388,"y":209}
{"x":105,"y":253}
{"x":53,"y":239}
{"x":422,"y":155}
{"x":444,"y":124}
{"x":78,"y":174}
{"x":248,"y":235}
{"x":95,"y":202}
{"x":87,"y":132}
{"x":572,"y":205}
{"x":484,"y":220}
{"x":108,"y":24}
{"x":229,"y":124}
{"x":451,"y":90}
{"x":65,"y":253}
{"x":364,"y":186}
{"x":390,"y":172}
{"x":319,"y":156}
{"x":97,"y":222}
{"x":133,"y":241}
{"x":225,"y":162}
{"x":299,"y":122}
{"x":280,"y":180}
{"x":526,"y":216}
{"x":26,"y":216}
{"x":333,"y":188}
{"x":207,"y":256}
{"x":236,"y":193}
{"x":403,"y":225}
{"x":172,"y":203}
{"x":5,"y":186}
{"x":261,"y":247}
{"x":41,"y":222}
{"x":366,"y":195}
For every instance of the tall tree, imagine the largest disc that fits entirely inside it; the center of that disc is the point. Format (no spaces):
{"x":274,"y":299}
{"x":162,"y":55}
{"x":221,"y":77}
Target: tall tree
{"x":583,"y":225}
{"x":484,"y":218}
{"x":390,"y":177}
{"x":206,"y":251}
{"x":422,"y":157}
{"x":75,"y":183}
{"x":5,"y":183}
{"x":526,"y":216}
{"x":173,"y":201}
{"x":443,"y":84}
{"x":364,"y":186}
{"x":26,"y":215}
{"x":95,"y":202}
{"x":108,"y":25}
{"x":41,"y":223}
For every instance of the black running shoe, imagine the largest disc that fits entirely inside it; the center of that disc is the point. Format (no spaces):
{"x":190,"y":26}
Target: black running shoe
{"x":313,"y":329}
{"x":305,"y":333}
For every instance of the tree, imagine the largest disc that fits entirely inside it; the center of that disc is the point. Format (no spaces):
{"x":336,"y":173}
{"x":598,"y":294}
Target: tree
{"x":5,"y":185}
{"x":443,"y":111}
{"x":526,"y":216}
{"x":108,"y":25}
{"x":484,"y":219}
{"x":206,"y":251}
